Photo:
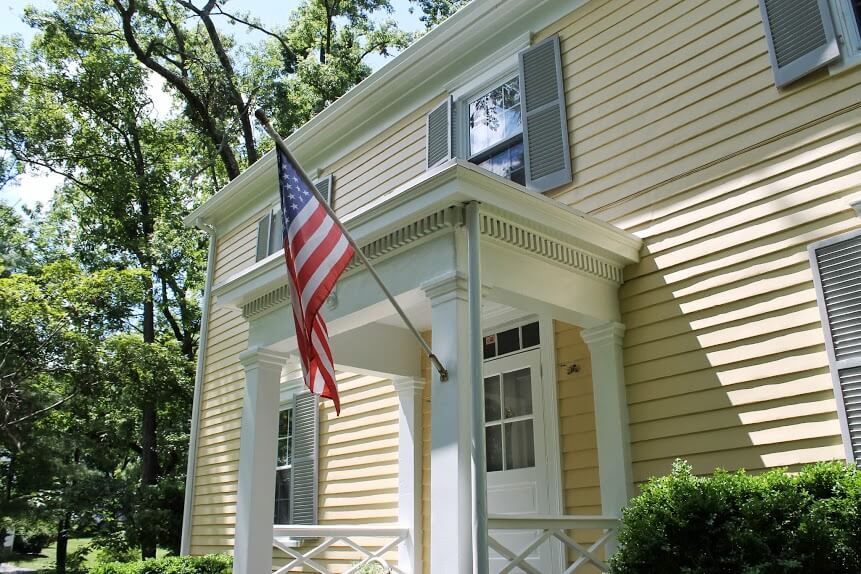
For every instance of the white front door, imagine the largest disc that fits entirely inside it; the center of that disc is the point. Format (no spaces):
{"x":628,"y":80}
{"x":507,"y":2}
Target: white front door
{"x":516,"y":450}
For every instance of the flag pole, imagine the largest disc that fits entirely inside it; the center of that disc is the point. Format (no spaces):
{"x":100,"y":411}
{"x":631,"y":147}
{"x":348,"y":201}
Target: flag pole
{"x":282,"y":147}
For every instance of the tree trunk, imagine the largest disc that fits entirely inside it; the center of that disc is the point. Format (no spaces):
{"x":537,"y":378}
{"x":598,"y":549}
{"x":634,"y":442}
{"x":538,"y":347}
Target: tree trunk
{"x":63,"y":543}
{"x":10,"y":477}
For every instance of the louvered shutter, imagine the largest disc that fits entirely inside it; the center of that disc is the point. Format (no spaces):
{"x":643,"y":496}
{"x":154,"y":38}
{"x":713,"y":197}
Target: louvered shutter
{"x":303,"y":480}
{"x":545,"y":125}
{"x":276,"y":232}
{"x":800,"y":36}
{"x":837,"y":272}
{"x":263,"y":237}
{"x":439,"y":132}
{"x":324,"y":186}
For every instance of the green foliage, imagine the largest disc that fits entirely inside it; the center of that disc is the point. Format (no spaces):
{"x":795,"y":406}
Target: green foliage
{"x":209,"y":564}
{"x":772,"y":523}
{"x":436,"y":11}
{"x":31,"y":542}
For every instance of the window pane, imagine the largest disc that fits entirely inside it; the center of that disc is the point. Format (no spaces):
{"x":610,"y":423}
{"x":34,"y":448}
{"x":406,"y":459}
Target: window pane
{"x":519,"y":445}
{"x":285,"y":423}
{"x":495,"y":116}
{"x":517,"y":393}
{"x":508,"y":341}
{"x":489,"y":346}
{"x":282,"y":497}
{"x":529,"y":335}
{"x":283,"y":452}
{"x":493,"y":447}
{"x":492,"y":408}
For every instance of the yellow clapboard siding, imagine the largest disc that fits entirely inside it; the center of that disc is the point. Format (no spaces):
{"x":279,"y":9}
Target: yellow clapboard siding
{"x":576,"y":423}
{"x":678,"y":135}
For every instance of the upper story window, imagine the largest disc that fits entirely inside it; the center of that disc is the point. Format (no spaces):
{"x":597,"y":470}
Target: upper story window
{"x":496,"y":131}
{"x":516,"y":126}
{"x":806,"y":35}
{"x":283,"y":466}
{"x":270,"y":227}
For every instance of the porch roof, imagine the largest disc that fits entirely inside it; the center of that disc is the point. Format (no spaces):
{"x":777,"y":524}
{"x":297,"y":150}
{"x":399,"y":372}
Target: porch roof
{"x":417,"y":210}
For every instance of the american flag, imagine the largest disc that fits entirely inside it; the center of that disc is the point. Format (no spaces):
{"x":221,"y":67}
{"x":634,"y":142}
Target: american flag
{"x":317,"y":252}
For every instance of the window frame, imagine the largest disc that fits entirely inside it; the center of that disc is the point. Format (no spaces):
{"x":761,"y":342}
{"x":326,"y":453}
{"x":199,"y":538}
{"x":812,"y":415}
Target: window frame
{"x":492,"y":149}
{"x":847,"y":25}
{"x":492,"y":76}
{"x":284,"y":406}
{"x":274,"y":211}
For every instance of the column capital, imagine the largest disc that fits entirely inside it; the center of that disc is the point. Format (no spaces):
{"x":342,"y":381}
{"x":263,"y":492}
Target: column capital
{"x":445,"y":286}
{"x":408,"y":384}
{"x":606,"y":333}
{"x":263,"y":357}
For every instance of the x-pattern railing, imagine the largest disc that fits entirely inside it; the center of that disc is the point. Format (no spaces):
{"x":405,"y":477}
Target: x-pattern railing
{"x":327,"y":536}
{"x":557,"y":527}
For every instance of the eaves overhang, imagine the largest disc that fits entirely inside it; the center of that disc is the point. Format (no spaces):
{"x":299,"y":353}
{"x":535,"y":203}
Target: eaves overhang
{"x":417,"y":75}
{"x":432,"y":204}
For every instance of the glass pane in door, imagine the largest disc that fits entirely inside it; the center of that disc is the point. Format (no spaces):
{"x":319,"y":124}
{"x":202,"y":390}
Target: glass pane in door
{"x":493,"y":447}
{"x":492,"y":399}
{"x":517,"y":393}
{"x":519,"y":445}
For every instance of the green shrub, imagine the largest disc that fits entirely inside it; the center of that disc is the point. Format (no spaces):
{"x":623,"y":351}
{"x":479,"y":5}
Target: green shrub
{"x":209,"y":564}
{"x":31,"y":542}
{"x":735,"y":522}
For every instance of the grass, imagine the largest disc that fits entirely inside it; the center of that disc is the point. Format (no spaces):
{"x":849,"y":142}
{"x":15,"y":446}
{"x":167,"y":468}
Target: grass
{"x":45,"y":563}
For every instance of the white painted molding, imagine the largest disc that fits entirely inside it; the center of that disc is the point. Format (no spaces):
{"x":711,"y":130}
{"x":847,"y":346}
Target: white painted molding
{"x":432,"y":204}
{"x":445,"y":287}
{"x":258,"y":441}
{"x":611,"y":415}
{"x":404,"y":237}
{"x":191,"y":465}
{"x":257,"y":357}
{"x":409,"y":391}
{"x":608,"y":333}
{"x":856,"y":205}
{"x":408,"y":384}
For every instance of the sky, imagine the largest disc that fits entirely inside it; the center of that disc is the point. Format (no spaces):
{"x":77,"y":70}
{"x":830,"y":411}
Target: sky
{"x":38,"y":187}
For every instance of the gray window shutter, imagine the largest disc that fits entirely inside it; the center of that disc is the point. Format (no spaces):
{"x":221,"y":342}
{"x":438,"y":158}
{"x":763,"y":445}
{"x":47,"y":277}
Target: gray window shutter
{"x":306,"y":429}
{"x":439,"y":132}
{"x":545,"y":124}
{"x":324,"y":186}
{"x":836,"y":267}
{"x":800,"y":36}
{"x":452,"y":136}
{"x":263,"y":237}
{"x":276,"y":232}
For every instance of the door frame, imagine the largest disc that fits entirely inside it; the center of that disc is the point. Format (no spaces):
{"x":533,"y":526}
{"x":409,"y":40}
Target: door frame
{"x":550,"y":399}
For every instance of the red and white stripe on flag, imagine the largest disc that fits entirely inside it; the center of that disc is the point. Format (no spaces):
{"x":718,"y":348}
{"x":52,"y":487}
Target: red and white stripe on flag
{"x":317,"y":252}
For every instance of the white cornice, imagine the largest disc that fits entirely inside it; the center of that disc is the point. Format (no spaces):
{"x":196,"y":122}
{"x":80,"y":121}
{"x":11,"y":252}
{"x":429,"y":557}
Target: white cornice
{"x":420,"y":73}
{"x":431,"y":205}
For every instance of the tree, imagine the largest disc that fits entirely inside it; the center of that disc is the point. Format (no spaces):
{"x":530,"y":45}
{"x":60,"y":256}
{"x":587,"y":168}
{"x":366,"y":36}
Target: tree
{"x":78,"y":106}
{"x":295,"y":72}
{"x":436,"y":11}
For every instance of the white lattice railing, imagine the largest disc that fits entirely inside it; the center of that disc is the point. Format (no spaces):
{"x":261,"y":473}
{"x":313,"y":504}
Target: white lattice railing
{"x":326,"y":536}
{"x":548,"y":528}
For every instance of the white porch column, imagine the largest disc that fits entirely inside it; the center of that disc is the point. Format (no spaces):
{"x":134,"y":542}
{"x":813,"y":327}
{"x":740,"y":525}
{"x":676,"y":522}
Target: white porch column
{"x":258,"y":440}
{"x":611,"y":416}
{"x":451,"y":409}
{"x":410,"y":470}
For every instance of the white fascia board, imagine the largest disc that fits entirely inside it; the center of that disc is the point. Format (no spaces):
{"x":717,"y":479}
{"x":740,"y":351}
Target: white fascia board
{"x":415,"y":77}
{"x":454,"y":183}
